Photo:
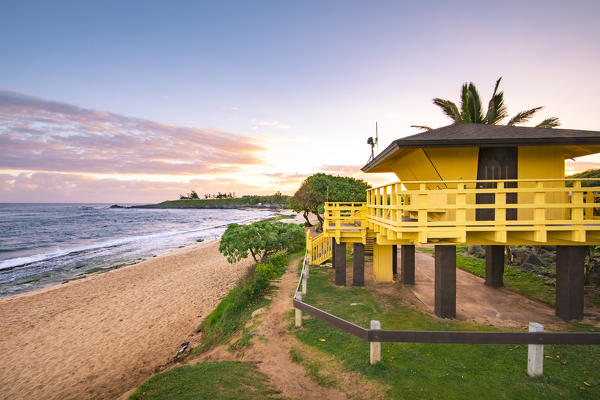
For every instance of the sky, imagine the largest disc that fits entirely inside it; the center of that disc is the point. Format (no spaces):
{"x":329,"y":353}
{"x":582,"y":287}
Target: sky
{"x":140,"y":101}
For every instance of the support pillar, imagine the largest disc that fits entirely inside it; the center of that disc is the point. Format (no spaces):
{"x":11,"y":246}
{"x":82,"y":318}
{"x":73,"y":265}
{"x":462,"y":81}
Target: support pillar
{"x":445,"y":281}
{"x":494,"y":266}
{"x":358,"y":268}
{"x":569,"y":281}
{"x":340,"y":264}
{"x":407,"y":264}
{"x":395,"y":260}
{"x":333,"y":252}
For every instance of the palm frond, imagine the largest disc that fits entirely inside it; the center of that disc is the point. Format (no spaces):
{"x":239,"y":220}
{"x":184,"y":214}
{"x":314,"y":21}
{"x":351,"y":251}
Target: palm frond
{"x":523,"y":116}
{"x":465,"y":115}
{"x":496,"y":111}
{"x":474,"y":105}
{"x":551,"y":122}
{"x":423,"y":127}
{"x":449,"y":108}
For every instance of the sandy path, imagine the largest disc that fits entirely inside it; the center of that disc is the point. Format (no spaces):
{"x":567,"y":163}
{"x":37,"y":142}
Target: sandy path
{"x":101,"y":336}
{"x":272,"y":354}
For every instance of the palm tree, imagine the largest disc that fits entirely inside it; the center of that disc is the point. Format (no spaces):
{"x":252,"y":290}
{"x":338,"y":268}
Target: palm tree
{"x":471,"y":111}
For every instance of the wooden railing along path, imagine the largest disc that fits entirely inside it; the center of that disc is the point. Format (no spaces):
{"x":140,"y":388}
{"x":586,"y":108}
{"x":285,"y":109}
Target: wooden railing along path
{"x":535,"y":338}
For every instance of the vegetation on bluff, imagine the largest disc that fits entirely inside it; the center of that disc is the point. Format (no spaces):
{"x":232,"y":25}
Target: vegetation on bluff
{"x":319,"y":188}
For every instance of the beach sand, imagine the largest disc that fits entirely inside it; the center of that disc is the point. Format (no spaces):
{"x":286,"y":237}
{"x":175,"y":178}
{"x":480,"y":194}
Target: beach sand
{"x":99,"y":337}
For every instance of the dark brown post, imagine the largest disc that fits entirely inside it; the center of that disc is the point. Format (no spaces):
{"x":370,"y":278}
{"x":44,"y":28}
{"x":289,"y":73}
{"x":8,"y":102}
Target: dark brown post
{"x":340,"y":264}
{"x":395,"y":260}
{"x":407,"y":264}
{"x":358,"y":269}
{"x":569,"y":281}
{"x":333,"y":252}
{"x":445,"y":281}
{"x":494,"y":265}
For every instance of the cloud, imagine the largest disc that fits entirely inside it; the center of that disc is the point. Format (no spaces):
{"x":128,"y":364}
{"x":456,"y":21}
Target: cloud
{"x":269,"y":123}
{"x":64,"y":187}
{"x":37,"y":134}
{"x":574,"y":167}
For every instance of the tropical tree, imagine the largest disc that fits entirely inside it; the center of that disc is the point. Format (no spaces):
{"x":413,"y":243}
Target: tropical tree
{"x":471,"y":110}
{"x":320,"y":187}
{"x":260,"y":240}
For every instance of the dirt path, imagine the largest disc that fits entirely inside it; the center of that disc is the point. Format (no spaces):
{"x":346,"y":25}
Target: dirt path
{"x":270,"y":350}
{"x":474,"y":300}
{"x":99,"y":337}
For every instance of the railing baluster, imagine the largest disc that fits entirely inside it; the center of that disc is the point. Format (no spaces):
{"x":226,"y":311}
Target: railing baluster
{"x":539,"y":213}
{"x":500,"y":214}
{"x":577,"y":213}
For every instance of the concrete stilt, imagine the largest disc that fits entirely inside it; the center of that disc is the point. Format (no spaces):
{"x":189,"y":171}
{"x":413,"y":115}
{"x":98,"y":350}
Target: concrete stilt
{"x":375,"y":346}
{"x":569,"y":281}
{"x":445,"y":281}
{"x":340,"y":264}
{"x":395,"y":260}
{"x":494,"y":265}
{"x":407,"y":264}
{"x":535,"y":353}
{"x":358,"y":268}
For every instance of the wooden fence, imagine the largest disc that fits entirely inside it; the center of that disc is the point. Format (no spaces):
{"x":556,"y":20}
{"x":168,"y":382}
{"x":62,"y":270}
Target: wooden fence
{"x":535,"y":338}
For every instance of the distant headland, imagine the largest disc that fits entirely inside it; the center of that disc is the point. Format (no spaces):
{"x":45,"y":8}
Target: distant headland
{"x":276,"y":201}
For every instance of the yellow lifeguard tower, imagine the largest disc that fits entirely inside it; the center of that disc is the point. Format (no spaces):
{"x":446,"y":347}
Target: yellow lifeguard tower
{"x":471,"y":184}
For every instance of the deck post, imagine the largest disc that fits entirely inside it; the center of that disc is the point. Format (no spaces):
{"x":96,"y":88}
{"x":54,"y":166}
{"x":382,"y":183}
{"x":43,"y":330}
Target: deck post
{"x":569,"y":281}
{"x":333,"y":252}
{"x":494,"y":266}
{"x":535,"y":353}
{"x":407,"y":264}
{"x":375,"y":346}
{"x":394,"y":260}
{"x":298,"y":319}
{"x":358,"y":268}
{"x":445,"y":281}
{"x":340,"y":264}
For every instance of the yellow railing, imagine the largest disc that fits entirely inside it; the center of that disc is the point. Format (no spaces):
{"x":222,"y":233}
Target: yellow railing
{"x":346,"y":218}
{"x":318,"y":249}
{"x":517,"y":211}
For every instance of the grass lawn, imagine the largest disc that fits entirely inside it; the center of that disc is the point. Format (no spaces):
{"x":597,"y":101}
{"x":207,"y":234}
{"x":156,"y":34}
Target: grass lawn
{"x":208,"y":380}
{"x":441,"y":371}
{"x":528,"y":283}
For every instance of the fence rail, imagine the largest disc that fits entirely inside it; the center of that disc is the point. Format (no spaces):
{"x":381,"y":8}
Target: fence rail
{"x":535,"y":338}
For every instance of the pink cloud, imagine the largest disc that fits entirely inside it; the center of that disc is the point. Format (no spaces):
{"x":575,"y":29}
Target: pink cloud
{"x":36,"y":134}
{"x":36,"y":187}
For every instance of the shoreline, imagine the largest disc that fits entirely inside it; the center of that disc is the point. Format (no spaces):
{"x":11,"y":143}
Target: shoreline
{"x":112,"y":266}
{"x":100,"y":336}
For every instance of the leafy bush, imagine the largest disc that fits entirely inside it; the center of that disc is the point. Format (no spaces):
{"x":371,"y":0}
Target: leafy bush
{"x":260,"y":239}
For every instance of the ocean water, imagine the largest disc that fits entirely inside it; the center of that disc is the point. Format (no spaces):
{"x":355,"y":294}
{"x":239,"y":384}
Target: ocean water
{"x":41,"y":244}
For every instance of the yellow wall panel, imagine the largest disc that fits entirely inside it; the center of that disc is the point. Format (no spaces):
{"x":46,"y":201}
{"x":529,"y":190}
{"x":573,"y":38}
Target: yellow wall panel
{"x":382,"y":263}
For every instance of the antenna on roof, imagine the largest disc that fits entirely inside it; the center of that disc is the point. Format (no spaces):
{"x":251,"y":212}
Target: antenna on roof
{"x":374,"y":142}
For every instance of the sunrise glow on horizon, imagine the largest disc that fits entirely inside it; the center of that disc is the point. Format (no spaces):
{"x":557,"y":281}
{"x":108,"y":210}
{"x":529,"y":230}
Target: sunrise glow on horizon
{"x":139,"y":102}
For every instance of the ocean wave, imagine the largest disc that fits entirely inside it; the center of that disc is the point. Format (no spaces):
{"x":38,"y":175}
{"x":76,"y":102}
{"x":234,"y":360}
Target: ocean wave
{"x":26,"y":260}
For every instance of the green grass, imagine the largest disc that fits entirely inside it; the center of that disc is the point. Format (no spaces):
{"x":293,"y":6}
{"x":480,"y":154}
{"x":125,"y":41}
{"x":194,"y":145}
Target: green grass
{"x":208,"y":380}
{"x":441,"y":371}
{"x":527,"y":283}
{"x":235,"y":310}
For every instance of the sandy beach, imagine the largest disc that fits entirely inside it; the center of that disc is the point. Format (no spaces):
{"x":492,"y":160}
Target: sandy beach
{"x":99,"y":337}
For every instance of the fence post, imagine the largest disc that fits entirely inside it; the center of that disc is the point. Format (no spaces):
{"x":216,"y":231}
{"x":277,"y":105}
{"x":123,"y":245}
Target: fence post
{"x":298,"y":311}
{"x":375,"y":346}
{"x":306,"y":266}
{"x":535,"y":353}
{"x":304,"y":279}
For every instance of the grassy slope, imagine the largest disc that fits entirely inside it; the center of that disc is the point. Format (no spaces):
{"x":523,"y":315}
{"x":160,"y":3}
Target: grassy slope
{"x":442,"y":370}
{"x":208,"y":380}
{"x":530,"y":284}
{"x":220,"y":380}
